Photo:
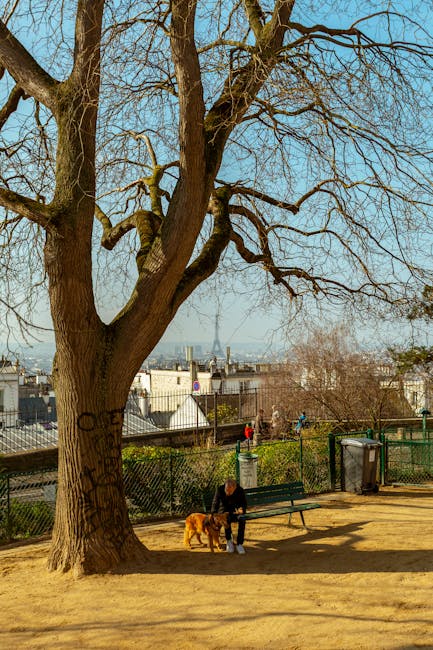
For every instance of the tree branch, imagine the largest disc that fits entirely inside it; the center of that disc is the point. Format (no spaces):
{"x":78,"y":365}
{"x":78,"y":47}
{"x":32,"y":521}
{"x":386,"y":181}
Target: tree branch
{"x":11,"y":105}
{"x":207,"y":261}
{"x":146,"y":222}
{"x":255,"y":15}
{"x":88,"y":27}
{"x":28,"y":74}
{"x":32,"y":210}
{"x":77,"y":113}
{"x":190,"y":90}
{"x":247,"y":191}
{"x":240,"y":89}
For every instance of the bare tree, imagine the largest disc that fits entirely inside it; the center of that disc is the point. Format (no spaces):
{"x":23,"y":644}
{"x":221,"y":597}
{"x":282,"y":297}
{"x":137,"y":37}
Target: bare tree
{"x":190,"y":137}
{"x":330,"y":377}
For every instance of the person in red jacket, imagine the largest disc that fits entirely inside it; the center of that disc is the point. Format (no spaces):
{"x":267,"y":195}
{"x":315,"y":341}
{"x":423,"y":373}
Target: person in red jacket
{"x":249,"y":432}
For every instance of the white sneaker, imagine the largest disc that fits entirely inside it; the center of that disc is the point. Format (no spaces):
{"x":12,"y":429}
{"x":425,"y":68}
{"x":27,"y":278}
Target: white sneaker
{"x":230,"y":548}
{"x":240,"y":549}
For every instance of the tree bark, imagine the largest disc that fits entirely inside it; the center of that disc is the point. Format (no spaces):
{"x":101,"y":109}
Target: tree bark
{"x":92,"y":532}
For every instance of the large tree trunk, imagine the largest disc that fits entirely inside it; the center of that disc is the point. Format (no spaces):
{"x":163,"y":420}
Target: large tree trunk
{"x":92,"y":532}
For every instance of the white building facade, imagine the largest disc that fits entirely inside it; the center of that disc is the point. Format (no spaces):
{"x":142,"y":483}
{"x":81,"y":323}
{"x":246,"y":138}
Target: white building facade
{"x":165,"y":390}
{"x":9,"y":382}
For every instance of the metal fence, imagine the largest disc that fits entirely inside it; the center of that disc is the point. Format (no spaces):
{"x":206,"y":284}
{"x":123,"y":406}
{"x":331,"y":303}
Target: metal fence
{"x":37,"y":429}
{"x":165,"y":483}
{"x":27,"y":503}
{"x":35,"y":426}
{"x":408,"y":456}
{"x":170,"y":485}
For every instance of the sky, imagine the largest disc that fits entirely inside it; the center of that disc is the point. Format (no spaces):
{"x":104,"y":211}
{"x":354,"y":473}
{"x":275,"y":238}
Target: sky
{"x":245,"y":316}
{"x":272,"y":328}
{"x":275,"y":332}
{"x":241,"y":320}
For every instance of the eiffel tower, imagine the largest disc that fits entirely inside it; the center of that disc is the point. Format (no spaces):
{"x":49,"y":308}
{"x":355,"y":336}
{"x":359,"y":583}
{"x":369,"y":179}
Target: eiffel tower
{"x":217,"y":350}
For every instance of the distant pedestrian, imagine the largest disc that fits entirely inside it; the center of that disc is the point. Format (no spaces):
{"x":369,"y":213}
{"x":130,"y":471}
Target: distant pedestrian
{"x":259,"y":427}
{"x":276,"y":422}
{"x":249,"y":433}
{"x":213,"y":363}
{"x":302,"y":420}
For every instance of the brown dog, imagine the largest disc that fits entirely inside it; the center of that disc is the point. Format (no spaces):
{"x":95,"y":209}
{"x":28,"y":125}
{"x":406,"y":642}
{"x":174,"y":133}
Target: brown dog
{"x":196,"y":524}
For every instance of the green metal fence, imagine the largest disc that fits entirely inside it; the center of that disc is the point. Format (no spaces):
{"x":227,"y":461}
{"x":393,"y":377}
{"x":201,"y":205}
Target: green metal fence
{"x":171,"y":482}
{"x":408,"y":461}
{"x":27,"y":503}
{"x":174,"y":485}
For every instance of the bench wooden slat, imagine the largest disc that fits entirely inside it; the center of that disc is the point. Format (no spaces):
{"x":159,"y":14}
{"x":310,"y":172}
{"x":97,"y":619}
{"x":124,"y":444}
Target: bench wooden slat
{"x":259,"y":514}
{"x":293,"y":487}
{"x":275,"y":493}
{"x":256,"y":499}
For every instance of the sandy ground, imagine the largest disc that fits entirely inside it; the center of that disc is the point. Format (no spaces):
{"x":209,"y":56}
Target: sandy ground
{"x":360,"y":577}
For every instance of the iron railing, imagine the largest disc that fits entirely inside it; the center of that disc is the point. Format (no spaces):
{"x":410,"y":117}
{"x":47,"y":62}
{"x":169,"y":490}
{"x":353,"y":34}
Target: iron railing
{"x":171,"y":482}
{"x":177,"y":410}
{"x":155,"y":412}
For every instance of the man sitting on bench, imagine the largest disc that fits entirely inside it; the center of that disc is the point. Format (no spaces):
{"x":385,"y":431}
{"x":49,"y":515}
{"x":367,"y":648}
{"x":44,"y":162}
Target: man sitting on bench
{"x":230,"y":497}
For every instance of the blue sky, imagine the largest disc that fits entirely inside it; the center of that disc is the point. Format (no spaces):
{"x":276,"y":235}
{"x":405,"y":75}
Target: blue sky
{"x":246,"y":314}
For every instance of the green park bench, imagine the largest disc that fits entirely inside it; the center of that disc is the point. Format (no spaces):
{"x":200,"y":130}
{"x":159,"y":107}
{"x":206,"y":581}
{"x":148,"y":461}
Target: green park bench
{"x":282,"y":496}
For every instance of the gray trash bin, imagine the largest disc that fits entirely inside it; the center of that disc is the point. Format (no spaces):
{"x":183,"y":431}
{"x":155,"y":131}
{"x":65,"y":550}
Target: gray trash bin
{"x":359,"y":465}
{"x":248,"y":470}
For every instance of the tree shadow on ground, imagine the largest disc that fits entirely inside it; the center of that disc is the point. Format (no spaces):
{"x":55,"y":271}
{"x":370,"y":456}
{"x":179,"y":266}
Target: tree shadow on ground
{"x":329,"y":550}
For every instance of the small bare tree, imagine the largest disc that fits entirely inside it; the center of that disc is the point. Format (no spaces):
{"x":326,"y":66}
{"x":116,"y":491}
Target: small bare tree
{"x":331,"y":378}
{"x":185,"y":137}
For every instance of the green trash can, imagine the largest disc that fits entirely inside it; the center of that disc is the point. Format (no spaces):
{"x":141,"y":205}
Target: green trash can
{"x":359,"y":458}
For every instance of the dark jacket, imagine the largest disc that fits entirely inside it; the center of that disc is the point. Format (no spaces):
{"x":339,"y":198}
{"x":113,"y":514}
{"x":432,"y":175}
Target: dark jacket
{"x":224,"y":503}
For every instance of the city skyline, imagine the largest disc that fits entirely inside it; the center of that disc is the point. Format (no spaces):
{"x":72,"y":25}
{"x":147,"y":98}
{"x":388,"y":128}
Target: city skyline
{"x":250,"y":328}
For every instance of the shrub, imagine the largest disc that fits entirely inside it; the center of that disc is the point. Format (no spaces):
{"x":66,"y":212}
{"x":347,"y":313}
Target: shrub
{"x":225,"y":414}
{"x":26,"y":519}
{"x":277,"y":463}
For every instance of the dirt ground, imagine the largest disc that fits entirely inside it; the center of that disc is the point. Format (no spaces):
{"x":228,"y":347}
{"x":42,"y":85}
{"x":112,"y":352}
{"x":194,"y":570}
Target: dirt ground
{"x":360,"y":577}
